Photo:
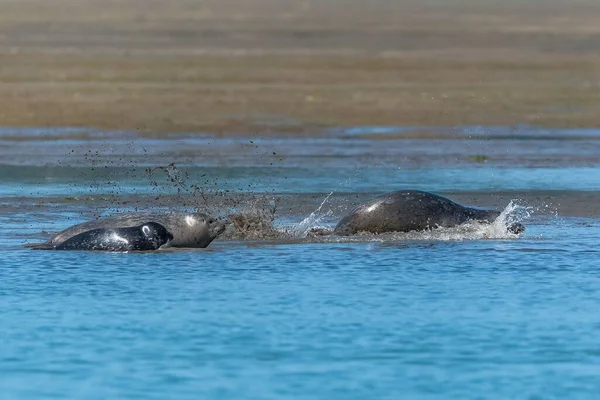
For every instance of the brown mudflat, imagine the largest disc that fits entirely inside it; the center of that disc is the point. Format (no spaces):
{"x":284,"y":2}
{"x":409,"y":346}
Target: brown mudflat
{"x":277,"y":65}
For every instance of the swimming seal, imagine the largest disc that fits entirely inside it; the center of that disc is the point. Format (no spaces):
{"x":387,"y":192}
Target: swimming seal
{"x":412,"y":210}
{"x":188,"y":229}
{"x":149,"y":236}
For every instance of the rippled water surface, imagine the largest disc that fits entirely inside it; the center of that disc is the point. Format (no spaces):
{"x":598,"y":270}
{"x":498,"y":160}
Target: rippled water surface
{"x":470,"y":312}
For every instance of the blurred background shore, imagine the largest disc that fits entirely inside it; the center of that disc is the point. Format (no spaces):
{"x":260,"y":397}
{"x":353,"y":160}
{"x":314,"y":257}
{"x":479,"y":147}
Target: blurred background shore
{"x":280,"y":65}
{"x":254,"y":66}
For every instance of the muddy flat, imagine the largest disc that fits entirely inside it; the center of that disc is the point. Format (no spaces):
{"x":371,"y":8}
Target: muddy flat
{"x":275,"y":65}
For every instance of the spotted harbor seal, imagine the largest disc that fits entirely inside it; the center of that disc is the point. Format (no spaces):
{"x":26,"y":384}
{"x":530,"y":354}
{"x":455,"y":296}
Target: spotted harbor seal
{"x":188,"y":230}
{"x":412,"y":210}
{"x":149,"y":236}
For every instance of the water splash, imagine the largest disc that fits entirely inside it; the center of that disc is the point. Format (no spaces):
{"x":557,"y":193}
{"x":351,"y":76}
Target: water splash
{"x":252,"y":218}
{"x":472,"y":230}
{"x":173,"y":174}
{"x":513,"y":213}
{"x":312,"y":222}
{"x":258,"y":222}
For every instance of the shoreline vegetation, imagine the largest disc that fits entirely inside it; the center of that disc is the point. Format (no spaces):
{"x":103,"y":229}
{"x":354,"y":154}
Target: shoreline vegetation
{"x":260,"y":66}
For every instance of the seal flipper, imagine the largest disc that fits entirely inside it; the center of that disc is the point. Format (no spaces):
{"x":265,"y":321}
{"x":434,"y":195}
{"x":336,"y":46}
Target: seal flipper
{"x":516,"y":228}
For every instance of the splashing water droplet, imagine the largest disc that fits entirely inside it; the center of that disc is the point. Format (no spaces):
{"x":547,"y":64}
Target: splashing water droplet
{"x":311,"y":222}
{"x":512,"y":214}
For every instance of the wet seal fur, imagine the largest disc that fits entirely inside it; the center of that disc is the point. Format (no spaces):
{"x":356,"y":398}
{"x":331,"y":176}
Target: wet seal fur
{"x":412,"y":210}
{"x":146,"y":237}
{"x":188,"y":229}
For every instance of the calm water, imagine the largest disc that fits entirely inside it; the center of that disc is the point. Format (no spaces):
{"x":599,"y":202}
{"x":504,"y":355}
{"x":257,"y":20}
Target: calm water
{"x":456,"y":314}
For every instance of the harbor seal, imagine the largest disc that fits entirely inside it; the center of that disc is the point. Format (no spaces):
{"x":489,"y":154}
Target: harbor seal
{"x":412,"y":210}
{"x":149,"y":236}
{"x":188,"y":230}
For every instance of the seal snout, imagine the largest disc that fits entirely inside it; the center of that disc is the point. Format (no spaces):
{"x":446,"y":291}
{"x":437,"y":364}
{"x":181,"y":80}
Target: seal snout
{"x":216,"y":226}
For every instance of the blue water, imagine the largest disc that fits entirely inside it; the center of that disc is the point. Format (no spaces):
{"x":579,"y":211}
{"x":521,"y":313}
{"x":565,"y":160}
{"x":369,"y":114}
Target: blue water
{"x":85,"y":181}
{"x":488,"y":319}
{"x":446,"y":317}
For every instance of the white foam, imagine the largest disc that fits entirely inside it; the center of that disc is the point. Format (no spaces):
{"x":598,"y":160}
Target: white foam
{"x":474,"y":230}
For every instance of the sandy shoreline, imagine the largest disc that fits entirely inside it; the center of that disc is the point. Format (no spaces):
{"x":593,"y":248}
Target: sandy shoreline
{"x":273,"y":66}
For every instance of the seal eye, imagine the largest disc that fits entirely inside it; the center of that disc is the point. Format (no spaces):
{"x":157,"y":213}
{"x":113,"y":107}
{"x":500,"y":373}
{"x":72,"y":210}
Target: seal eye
{"x":146,"y":230}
